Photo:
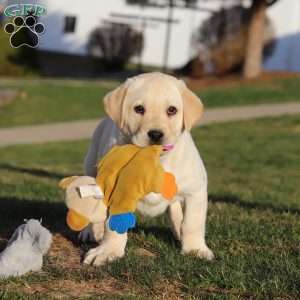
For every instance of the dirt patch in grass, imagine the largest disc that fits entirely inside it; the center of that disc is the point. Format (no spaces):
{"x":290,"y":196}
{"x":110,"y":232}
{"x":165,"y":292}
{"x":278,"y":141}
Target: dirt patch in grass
{"x":144,"y":252}
{"x":204,"y":293}
{"x":234,"y":80}
{"x":167,"y":290}
{"x":65,"y":256}
{"x":64,"y":252}
{"x":7,"y":96}
{"x":65,"y":289}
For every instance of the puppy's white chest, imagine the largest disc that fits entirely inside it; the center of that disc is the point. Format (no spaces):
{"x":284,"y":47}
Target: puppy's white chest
{"x":152,"y":205}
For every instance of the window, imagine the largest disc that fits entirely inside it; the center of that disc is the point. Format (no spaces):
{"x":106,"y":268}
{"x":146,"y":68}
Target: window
{"x":70,"y":23}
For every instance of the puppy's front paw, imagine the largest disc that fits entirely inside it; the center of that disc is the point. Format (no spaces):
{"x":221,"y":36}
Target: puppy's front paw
{"x":92,"y":233}
{"x":100,"y":255}
{"x":203,"y":252}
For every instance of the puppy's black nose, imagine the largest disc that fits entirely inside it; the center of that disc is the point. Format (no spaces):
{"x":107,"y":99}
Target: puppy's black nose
{"x":155,"y":135}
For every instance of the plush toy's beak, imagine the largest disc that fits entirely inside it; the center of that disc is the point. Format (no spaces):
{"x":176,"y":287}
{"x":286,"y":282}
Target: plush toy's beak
{"x":76,"y":221}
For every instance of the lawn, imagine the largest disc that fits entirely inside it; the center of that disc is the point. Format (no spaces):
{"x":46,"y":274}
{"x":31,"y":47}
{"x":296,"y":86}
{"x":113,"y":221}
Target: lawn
{"x":253,"y":223}
{"x":52,"y":101}
{"x":47,"y":101}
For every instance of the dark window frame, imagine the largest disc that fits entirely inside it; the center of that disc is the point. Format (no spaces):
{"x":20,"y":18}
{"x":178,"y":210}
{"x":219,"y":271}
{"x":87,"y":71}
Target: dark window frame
{"x":70,"y":24}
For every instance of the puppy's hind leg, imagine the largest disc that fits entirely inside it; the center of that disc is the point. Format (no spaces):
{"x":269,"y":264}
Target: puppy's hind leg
{"x":92,"y":233}
{"x":176,"y":217}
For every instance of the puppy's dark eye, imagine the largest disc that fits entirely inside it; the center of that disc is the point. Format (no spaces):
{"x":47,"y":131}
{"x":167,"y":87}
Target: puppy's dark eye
{"x":171,"y":111}
{"x":139,"y":109}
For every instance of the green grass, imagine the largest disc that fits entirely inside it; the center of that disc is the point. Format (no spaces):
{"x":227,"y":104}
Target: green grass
{"x":48,"y":101}
{"x":253,"y":222}
{"x":52,"y":101}
{"x":258,"y":92}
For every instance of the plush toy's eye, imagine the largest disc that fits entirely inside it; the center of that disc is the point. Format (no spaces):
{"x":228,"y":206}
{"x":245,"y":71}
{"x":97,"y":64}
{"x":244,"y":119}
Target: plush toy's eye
{"x":171,"y":111}
{"x":139,"y":109}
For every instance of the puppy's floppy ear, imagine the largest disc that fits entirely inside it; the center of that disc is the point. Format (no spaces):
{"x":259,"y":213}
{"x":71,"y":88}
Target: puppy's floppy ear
{"x":192,"y":106}
{"x":65,"y":182}
{"x":114,"y":103}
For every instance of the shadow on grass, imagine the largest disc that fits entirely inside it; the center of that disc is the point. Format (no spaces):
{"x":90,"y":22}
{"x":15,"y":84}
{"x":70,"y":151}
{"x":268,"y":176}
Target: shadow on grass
{"x":32,"y":171}
{"x":232,"y":199}
{"x":53,"y":214}
{"x":161,"y":233}
{"x":14,"y":210}
{"x":214,"y":198}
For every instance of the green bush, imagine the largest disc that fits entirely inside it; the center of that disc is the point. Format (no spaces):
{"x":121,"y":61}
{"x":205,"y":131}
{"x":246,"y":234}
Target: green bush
{"x":15,"y":62}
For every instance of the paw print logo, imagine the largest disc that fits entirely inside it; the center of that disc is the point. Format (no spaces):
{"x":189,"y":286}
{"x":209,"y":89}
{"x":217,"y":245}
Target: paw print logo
{"x":24,"y":32}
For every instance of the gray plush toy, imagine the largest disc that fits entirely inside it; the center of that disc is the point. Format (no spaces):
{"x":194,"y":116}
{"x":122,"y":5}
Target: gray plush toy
{"x":25,"y":249}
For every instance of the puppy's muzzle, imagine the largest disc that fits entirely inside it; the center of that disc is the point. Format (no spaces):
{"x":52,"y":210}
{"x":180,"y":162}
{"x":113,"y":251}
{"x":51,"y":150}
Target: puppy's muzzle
{"x":155,"y":135}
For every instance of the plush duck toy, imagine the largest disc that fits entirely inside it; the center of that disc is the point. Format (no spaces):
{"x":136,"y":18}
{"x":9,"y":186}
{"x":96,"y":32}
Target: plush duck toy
{"x":125,"y":175}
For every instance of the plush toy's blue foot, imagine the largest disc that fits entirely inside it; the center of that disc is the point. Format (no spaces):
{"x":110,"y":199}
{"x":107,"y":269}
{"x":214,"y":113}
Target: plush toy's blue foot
{"x":122,"y":222}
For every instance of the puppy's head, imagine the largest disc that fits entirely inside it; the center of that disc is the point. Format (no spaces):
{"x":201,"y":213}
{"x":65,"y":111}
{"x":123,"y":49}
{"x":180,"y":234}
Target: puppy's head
{"x":153,"y":108}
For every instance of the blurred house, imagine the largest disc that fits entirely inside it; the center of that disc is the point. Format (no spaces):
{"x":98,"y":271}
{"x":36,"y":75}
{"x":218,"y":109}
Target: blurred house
{"x":167,"y":32}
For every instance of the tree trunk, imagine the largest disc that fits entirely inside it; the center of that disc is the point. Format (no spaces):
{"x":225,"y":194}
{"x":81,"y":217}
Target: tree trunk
{"x":255,"y":40}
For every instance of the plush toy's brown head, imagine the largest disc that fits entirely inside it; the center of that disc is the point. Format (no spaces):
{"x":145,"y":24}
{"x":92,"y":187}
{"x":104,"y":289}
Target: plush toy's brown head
{"x":82,"y":210}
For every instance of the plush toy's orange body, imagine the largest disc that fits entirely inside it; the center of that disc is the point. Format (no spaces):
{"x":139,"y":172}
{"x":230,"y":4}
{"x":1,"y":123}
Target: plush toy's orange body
{"x":127,"y":173}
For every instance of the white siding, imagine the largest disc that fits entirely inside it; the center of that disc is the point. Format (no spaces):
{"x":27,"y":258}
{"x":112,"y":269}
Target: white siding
{"x":286,"y":18}
{"x":90,"y":13}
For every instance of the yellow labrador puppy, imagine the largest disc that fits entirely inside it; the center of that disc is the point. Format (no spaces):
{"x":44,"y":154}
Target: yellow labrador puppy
{"x":154,"y":108}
